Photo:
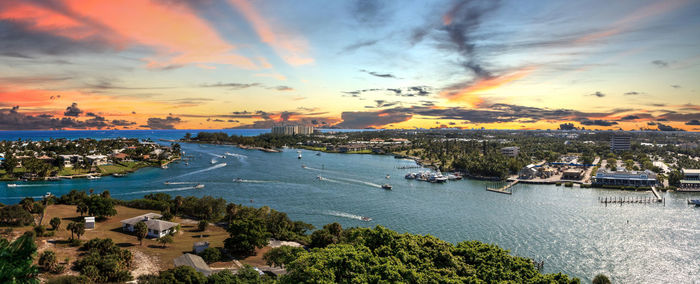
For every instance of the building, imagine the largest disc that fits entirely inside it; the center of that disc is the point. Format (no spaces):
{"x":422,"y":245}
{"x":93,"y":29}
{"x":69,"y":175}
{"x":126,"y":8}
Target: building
{"x":510,"y":151}
{"x":70,"y":160}
{"x":292,"y":129}
{"x":691,"y":179}
{"x":156,"y":228}
{"x":89,"y":223}
{"x":620,"y":142}
{"x":199,"y":247}
{"x":625,"y":178}
{"x":528,"y":172}
{"x":572,"y":174}
{"x":193,"y":261}
{"x":97,"y":160}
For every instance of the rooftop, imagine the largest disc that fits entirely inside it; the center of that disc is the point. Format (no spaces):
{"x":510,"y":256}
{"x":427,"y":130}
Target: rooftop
{"x":193,"y":261}
{"x":691,"y":171}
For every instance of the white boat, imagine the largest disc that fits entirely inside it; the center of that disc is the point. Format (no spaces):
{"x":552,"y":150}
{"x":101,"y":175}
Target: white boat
{"x":320,"y":178}
{"x":388,"y":176}
{"x":166,"y":183}
{"x":11,"y":185}
{"x":386,"y":186}
{"x":299,"y":157}
{"x":238,"y":180}
{"x":213,"y":161}
{"x":410,"y":176}
{"x":93,"y":177}
{"x":366,"y":219}
{"x":164,"y":166}
{"x":198,"y":186}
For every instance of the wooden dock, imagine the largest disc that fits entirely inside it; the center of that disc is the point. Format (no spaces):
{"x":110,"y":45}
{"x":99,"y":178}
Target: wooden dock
{"x":504,"y":189}
{"x":628,"y":200}
{"x":656,"y":193}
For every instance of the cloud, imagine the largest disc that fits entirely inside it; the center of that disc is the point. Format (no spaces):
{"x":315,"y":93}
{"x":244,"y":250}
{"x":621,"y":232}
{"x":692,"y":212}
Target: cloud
{"x":413,"y":91}
{"x":360,"y":120}
{"x":676,"y":86}
{"x":629,"y":117}
{"x":598,"y":94}
{"x":12,"y":119}
{"x":660,"y":63}
{"x":233,"y":86}
{"x":99,"y":26}
{"x":633,"y":93}
{"x":664,"y":127}
{"x":693,"y":122}
{"x":162,"y":123}
{"x":380,"y":75}
{"x":358,"y":45}
{"x":122,"y":122}
{"x":598,"y":122}
{"x":291,"y":47}
{"x":73,"y":110}
{"x":284,"y":88}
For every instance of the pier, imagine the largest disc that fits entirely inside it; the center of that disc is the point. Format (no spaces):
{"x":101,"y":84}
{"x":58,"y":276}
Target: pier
{"x":656,"y":193}
{"x":629,"y":200}
{"x":504,"y":189}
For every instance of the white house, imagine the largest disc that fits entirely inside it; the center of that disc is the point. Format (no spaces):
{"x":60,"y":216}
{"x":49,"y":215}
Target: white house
{"x":156,"y":228}
{"x":89,"y":223}
{"x":97,"y":160}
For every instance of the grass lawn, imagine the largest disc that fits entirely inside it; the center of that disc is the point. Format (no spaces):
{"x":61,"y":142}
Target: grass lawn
{"x":359,"y":152}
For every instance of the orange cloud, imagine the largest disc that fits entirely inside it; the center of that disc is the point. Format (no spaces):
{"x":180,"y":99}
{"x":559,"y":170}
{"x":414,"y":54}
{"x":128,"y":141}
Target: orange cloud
{"x":173,"y":31}
{"x":470,"y":93}
{"x":291,"y":48}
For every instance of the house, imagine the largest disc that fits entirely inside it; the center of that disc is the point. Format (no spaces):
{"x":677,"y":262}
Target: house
{"x":119,"y":156}
{"x":625,"y":178}
{"x":200,"y":247}
{"x":70,"y":160}
{"x":691,"y":179}
{"x":97,"y":160}
{"x":156,"y":228}
{"x":89,"y":223}
{"x":193,"y":261}
{"x":572,"y":174}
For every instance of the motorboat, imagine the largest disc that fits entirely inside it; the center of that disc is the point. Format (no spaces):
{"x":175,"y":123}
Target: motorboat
{"x":213,"y":161}
{"x":118,"y":175}
{"x":299,"y":157}
{"x":238,"y":180}
{"x":11,"y":185}
{"x":388,"y":176}
{"x":53,"y":178}
{"x":198,"y":186}
{"x":366,"y":219}
{"x":167,"y":182}
{"x":164,"y":166}
{"x":386,"y":186}
{"x":93,"y":177}
{"x":320,"y":178}
{"x":318,"y":154}
{"x":303,"y":166}
{"x":410,"y":176}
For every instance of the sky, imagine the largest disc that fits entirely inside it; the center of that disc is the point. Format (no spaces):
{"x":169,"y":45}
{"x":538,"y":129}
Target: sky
{"x":214,"y":64}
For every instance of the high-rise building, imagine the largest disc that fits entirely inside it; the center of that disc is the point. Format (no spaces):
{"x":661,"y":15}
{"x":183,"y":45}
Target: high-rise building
{"x":292,"y":129}
{"x":620,"y":142}
{"x":510,"y":151}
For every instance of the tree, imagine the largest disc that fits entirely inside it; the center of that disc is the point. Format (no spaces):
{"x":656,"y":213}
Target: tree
{"x":104,"y":262}
{"x":40,"y":230}
{"x":81,"y":208}
{"x":675,"y":177}
{"x":246,"y":235}
{"x":15,"y":215}
{"x":141,"y":231}
{"x":182,"y":275}
{"x":101,"y":207}
{"x":77,"y":228}
{"x":167,"y":239}
{"x":202,"y":226}
{"x":47,"y":260}
{"x":281,"y":256}
{"x":9,"y":164}
{"x":17,"y":258}
{"x":210,"y":255}
{"x":55,"y":223}
{"x":601,"y":279}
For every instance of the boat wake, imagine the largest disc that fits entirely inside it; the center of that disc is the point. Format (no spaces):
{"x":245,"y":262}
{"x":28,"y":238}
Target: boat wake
{"x":347,"y":215}
{"x":182,"y":182}
{"x":214,"y":167}
{"x":158,"y":190}
{"x":359,"y":182}
{"x":253,"y":181}
{"x":236,"y":155}
{"x":28,"y":185}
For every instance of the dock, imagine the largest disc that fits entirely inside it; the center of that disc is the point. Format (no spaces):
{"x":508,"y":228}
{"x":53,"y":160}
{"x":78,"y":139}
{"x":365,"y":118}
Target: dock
{"x":629,"y":200}
{"x":656,"y":193}
{"x":504,"y":189}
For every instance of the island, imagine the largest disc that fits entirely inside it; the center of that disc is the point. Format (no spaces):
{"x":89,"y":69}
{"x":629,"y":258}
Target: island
{"x":81,"y":158}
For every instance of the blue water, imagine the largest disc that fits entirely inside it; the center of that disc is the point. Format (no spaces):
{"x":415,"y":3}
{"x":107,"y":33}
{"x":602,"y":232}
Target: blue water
{"x":566,"y":227}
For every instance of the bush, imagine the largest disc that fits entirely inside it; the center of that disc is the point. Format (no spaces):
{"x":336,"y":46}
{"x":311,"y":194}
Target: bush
{"x":104,"y":262}
{"x":47,"y":260}
{"x":210,"y":255}
{"x":569,"y":184}
{"x":75,"y":242}
{"x":39,"y":230}
{"x":558,"y":184}
{"x":69,"y":279}
{"x":15,"y":215}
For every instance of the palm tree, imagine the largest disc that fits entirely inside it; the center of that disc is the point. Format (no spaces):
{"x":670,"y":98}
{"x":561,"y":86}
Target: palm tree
{"x":167,"y":239}
{"x":141,"y":231}
{"x":82,"y":208}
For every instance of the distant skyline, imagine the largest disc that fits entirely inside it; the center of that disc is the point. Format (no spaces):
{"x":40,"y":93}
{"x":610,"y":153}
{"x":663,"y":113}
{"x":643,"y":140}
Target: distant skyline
{"x":197,"y":64}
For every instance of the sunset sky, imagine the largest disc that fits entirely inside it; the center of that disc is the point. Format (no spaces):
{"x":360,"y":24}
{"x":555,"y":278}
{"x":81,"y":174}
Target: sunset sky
{"x":194,"y":64}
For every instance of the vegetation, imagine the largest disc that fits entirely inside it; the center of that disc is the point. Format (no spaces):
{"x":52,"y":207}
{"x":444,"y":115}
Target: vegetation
{"x":167,"y":239}
{"x":601,"y":279}
{"x":55,"y":223}
{"x":15,"y":215}
{"x":76,"y":228}
{"x":188,"y":275}
{"x":210,"y":255}
{"x":16,"y":258}
{"x":246,"y":236}
{"x":141,"y":231}
{"x":104,"y":262}
{"x":47,"y":260}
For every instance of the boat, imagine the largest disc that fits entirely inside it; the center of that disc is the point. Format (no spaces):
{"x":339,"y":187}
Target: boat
{"x":164,"y":166}
{"x":410,"y":176}
{"x":167,"y":182}
{"x":386,"y":186}
{"x":318,"y":154}
{"x":299,"y":157}
{"x":118,"y":175}
{"x":237,"y":180}
{"x":198,"y":186}
{"x":320,"y":178}
{"x":454,"y":177}
{"x":53,"y":178}
{"x":366,"y":219}
{"x":303,"y":166}
{"x":213,"y":161}
{"x":93,"y":177}
{"x":388,"y":176}
{"x":11,"y":185}
{"x":692,"y":201}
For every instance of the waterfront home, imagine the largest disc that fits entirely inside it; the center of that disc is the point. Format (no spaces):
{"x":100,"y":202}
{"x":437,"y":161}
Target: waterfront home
{"x":691,"y":179}
{"x":70,"y":160}
{"x":97,"y":160}
{"x":119,"y":157}
{"x":156,"y":228}
{"x":625,"y":178}
{"x":193,"y":261}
